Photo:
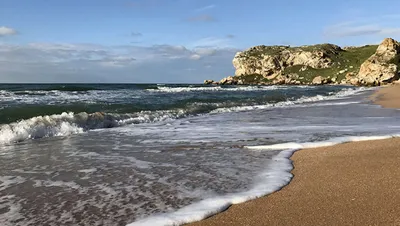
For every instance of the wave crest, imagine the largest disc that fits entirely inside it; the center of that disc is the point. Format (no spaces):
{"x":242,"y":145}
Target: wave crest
{"x":215,"y":88}
{"x":70,"y":123}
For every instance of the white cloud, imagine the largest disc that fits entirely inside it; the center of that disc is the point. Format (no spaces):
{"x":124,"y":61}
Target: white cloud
{"x":390,"y":31}
{"x":136,"y":34}
{"x":378,"y":26}
{"x":205,"y":8}
{"x":6,"y":31}
{"x":345,"y":31}
{"x":203,"y":51}
{"x":361,"y":30}
{"x":195,"y":57}
{"x":64,"y":62}
{"x":213,"y":42}
{"x":202,"y":18}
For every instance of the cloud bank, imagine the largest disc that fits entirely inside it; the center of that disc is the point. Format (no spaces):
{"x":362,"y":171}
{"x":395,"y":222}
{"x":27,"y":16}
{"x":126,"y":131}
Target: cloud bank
{"x":63,"y":62}
{"x":372,"y":26}
{"x":347,"y":30}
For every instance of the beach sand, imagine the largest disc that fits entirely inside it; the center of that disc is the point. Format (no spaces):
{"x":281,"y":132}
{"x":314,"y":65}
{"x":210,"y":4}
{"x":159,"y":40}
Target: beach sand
{"x":388,"y":96}
{"x":347,"y":184}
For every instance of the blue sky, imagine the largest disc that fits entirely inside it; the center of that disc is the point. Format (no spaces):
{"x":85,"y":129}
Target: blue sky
{"x":170,"y":40}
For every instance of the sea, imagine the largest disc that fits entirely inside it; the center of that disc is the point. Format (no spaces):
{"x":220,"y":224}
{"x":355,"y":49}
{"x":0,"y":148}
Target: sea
{"x":163,"y":154}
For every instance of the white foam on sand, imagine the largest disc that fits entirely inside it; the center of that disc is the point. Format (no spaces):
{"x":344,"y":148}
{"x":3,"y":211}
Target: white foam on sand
{"x":276,"y":176}
{"x":330,"y":142}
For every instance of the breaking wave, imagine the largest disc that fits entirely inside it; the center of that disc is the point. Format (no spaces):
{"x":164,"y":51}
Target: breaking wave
{"x":70,"y":123}
{"x":216,"y":88}
{"x":332,"y":96}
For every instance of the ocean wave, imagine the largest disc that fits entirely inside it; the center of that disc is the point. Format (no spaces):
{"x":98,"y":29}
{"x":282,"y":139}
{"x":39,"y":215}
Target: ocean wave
{"x":217,"y":88}
{"x":305,"y":99}
{"x":70,"y":123}
{"x":62,"y":97}
{"x":71,"y":88}
{"x":276,"y":176}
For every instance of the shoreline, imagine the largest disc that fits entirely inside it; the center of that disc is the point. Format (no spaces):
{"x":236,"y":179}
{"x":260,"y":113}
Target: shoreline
{"x":387,"y":96}
{"x":321,"y":193}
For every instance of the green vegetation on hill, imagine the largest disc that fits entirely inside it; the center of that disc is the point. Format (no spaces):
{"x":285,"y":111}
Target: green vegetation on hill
{"x":253,"y":79}
{"x":258,"y":51}
{"x":343,"y":60}
{"x":369,"y":65}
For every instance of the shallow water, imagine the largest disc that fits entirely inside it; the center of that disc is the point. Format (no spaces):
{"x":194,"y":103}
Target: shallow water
{"x":115,"y":176}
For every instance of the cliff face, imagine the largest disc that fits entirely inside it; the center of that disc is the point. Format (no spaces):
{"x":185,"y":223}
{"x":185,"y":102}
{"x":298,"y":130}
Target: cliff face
{"x":381,"y":67}
{"x":316,"y":64}
{"x":271,"y":61}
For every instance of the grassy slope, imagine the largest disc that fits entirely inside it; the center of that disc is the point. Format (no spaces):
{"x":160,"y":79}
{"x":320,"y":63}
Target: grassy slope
{"x":350,"y":59}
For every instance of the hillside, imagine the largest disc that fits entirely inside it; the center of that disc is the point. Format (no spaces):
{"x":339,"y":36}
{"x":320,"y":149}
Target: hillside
{"x":316,"y":64}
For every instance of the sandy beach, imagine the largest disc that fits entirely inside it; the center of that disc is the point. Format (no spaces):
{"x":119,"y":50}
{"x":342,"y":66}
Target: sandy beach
{"x":388,"y":96}
{"x":346,"y":184}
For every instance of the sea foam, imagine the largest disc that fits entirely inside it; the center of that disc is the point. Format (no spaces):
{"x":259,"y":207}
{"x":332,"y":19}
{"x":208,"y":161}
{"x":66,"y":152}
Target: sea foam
{"x":219,"y":88}
{"x":346,"y":92}
{"x":69,"y":123}
{"x":276,"y":176}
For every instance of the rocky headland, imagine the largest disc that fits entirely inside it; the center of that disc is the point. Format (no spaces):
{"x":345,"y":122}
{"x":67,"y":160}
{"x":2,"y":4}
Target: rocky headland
{"x":369,"y":65}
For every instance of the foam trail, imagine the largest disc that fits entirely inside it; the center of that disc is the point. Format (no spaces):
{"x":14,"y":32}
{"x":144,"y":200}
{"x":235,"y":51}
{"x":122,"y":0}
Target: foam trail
{"x":330,"y":142}
{"x":272,"y":179}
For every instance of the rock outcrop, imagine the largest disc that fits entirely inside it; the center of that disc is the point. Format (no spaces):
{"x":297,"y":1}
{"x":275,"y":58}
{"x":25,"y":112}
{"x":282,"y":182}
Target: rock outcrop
{"x":271,"y":61}
{"x":381,"y":67}
{"x":317,"y":80}
{"x":208,"y":81}
{"x":316,"y":65}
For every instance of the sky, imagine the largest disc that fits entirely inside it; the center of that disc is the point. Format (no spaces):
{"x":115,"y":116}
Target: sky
{"x":171,"y":41}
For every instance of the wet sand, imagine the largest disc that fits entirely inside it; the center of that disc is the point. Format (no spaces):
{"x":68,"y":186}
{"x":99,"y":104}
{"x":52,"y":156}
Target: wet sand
{"x":388,"y":96}
{"x":346,"y":184}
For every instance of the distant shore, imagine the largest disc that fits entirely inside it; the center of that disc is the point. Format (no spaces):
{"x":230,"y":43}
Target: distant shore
{"x":346,"y":184}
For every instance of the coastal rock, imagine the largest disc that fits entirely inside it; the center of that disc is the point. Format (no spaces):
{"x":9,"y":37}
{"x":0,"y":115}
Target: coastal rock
{"x":317,"y":80}
{"x":207,"y":82}
{"x":381,"y":67}
{"x":271,"y":61}
{"x":228,"y":81}
{"x":317,"y":64}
